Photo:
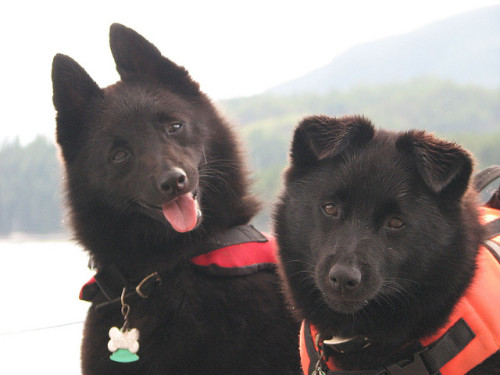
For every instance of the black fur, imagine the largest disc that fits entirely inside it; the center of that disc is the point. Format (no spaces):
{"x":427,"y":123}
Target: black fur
{"x":121,"y":145}
{"x":378,"y":233}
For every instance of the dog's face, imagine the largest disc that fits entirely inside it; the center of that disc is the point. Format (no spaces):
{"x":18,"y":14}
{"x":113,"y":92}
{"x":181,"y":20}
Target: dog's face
{"x":366,"y":223}
{"x":139,"y":143}
{"x":144,"y":152}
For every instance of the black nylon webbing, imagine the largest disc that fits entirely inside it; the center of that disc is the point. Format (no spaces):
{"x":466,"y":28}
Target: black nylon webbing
{"x":311,"y":350}
{"x":233,"y":236}
{"x":111,"y":281}
{"x":448,"y":346}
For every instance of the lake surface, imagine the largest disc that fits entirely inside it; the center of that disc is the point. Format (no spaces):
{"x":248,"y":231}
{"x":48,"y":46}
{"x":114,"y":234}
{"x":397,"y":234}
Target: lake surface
{"x":41,"y":317}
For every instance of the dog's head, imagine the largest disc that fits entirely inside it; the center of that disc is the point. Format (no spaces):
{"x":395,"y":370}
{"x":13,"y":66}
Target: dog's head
{"x":371,"y":220}
{"x":138,"y":144}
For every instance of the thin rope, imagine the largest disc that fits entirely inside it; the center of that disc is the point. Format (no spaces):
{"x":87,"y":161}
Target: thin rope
{"x":39,"y":329}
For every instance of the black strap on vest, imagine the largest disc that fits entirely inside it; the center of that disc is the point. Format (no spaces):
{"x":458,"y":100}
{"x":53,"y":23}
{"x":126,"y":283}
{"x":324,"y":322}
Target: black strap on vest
{"x":234,"y":236}
{"x":110,"y":282}
{"x":448,"y":346}
{"x":426,"y":361}
{"x":311,"y":350}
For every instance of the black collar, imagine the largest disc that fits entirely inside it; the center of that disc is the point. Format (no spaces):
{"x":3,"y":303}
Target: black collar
{"x":426,"y":360}
{"x":106,"y":287}
{"x":347,"y":345}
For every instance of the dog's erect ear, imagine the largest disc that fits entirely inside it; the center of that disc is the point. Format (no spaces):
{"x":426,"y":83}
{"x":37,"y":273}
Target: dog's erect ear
{"x":73,"y":89}
{"x":444,"y":166}
{"x":320,"y":137}
{"x":138,"y":59}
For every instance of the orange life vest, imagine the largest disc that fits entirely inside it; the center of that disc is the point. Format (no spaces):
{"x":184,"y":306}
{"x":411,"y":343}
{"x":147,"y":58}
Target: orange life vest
{"x":478,"y":308}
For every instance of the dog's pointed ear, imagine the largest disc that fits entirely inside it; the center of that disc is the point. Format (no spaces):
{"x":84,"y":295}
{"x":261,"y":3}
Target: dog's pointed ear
{"x":320,"y":137}
{"x":73,"y":89}
{"x":444,"y":166}
{"x":138,"y":59}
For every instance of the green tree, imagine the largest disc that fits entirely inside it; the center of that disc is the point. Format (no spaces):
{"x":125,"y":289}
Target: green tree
{"x":29,"y":192}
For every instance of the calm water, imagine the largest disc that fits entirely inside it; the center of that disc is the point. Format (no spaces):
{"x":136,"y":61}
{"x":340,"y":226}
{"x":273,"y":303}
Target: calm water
{"x":40,"y":315}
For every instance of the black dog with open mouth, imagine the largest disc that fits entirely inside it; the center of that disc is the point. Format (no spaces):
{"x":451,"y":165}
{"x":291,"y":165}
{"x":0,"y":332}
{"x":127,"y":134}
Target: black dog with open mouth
{"x":155,"y":180}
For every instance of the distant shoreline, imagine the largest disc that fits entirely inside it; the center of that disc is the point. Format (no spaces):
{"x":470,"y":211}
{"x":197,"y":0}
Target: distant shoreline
{"x":35,"y":237}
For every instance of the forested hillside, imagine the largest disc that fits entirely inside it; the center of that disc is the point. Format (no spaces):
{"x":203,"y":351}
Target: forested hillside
{"x":30,"y":193}
{"x":29,"y":189}
{"x":467,"y":114}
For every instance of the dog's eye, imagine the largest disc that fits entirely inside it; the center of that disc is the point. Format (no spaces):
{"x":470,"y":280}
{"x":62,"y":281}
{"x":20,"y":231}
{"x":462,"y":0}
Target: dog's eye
{"x":120,"y":155}
{"x":173,"y":128}
{"x":330,"y":209}
{"x":395,"y":223}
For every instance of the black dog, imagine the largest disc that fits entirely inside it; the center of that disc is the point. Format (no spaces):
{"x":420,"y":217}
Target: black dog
{"x":380,"y":236}
{"x":155,"y":178}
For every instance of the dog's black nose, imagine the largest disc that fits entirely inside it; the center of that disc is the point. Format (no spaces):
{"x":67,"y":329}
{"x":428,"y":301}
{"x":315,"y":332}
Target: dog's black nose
{"x":344,"y":278}
{"x":174,"y":181}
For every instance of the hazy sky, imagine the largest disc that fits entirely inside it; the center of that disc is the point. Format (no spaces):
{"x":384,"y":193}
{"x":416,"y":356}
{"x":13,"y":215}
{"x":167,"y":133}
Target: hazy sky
{"x":233,"y":48}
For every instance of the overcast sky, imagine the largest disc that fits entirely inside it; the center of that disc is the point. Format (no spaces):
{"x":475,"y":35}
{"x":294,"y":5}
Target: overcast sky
{"x":233,"y":48}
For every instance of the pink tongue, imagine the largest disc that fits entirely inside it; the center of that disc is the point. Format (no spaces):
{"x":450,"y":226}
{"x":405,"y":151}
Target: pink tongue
{"x":181,"y":213}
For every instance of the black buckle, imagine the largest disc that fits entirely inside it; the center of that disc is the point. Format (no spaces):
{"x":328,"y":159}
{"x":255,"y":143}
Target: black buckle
{"x":148,"y":285}
{"x":415,"y":367}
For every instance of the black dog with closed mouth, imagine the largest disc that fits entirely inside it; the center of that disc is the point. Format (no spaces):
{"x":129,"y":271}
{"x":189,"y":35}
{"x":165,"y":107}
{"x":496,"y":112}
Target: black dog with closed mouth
{"x":154,"y":178}
{"x":379,"y":235}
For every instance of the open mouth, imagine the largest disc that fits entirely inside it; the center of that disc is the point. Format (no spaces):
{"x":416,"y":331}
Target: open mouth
{"x":182,"y":213}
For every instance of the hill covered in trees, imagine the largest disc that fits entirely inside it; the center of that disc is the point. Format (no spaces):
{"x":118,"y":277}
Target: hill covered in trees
{"x":30,"y":188}
{"x":466,"y":114}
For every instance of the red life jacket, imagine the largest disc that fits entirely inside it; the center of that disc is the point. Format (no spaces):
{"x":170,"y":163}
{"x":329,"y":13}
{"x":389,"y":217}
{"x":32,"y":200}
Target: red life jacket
{"x":239,"y":259}
{"x":239,"y":251}
{"x":478,"y":309}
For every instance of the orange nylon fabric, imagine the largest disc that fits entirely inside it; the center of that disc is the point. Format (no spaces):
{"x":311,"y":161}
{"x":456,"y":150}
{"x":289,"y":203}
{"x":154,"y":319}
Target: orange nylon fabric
{"x":479,"y":308}
{"x":304,"y":356}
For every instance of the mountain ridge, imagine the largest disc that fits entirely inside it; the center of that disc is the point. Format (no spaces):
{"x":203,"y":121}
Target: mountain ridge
{"x":464,"y":48}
